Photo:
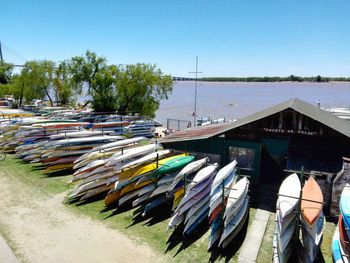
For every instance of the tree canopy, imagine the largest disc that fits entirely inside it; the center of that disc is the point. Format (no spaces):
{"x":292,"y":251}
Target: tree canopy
{"x":125,"y":89}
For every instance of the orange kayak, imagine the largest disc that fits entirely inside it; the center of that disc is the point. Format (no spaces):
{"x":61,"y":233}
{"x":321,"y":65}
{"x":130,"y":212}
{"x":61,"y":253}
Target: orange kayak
{"x":311,"y":210}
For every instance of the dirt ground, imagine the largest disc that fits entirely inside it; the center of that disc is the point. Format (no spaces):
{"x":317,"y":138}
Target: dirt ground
{"x":41,"y":229}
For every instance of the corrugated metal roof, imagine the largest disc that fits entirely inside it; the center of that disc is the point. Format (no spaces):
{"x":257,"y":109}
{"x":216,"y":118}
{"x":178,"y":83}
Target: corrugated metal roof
{"x":307,"y":109}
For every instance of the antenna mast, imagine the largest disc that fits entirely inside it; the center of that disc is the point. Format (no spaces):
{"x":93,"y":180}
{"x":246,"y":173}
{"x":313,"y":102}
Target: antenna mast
{"x":195,"y":93}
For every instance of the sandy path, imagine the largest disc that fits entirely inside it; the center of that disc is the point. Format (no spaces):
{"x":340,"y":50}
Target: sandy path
{"x":43,"y":230}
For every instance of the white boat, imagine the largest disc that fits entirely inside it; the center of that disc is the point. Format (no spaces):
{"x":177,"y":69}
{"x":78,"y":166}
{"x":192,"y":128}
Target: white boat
{"x":195,"y":216}
{"x":196,"y":207}
{"x":120,"y":143}
{"x":141,"y":199}
{"x":290,"y":187}
{"x":234,"y":222}
{"x":202,"y":174}
{"x":189,"y":169}
{"x":176,"y":219}
{"x":236,"y":198}
{"x":138,"y":151}
{"x":223,"y":173}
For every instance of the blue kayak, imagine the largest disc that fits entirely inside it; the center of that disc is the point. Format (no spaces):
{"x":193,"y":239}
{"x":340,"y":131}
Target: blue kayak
{"x":344,"y":205}
{"x":337,"y":258}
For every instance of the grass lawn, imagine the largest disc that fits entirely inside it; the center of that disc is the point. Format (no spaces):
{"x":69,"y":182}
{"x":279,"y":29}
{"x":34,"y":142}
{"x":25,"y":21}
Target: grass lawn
{"x":150,"y":229}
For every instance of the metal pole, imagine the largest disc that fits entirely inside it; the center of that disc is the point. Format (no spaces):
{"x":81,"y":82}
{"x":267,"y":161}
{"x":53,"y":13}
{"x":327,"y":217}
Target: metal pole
{"x":195,"y":93}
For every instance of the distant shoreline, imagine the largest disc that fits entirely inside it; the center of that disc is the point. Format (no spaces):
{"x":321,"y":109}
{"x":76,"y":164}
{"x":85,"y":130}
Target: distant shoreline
{"x":254,"y":82}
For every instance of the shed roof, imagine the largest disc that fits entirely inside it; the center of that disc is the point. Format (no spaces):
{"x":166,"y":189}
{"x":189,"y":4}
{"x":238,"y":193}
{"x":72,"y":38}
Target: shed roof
{"x":307,"y":109}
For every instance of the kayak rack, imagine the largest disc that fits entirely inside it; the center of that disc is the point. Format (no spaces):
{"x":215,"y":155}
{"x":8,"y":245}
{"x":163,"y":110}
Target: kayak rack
{"x":298,"y":210}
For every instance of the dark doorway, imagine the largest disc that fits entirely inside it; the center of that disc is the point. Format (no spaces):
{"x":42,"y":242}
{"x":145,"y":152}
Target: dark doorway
{"x":271,"y":171}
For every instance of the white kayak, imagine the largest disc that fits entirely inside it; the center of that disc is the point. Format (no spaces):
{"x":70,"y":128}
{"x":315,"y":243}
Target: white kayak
{"x":78,"y":134}
{"x":234,"y":222}
{"x":202,"y":174}
{"x":119,"y":143}
{"x":236,"y":198}
{"x":176,"y":219}
{"x":290,"y":187}
{"x":222,"y":175}
{"x":189,"y":169}
{"x":216,"y":196}
{"x":138,"y":151}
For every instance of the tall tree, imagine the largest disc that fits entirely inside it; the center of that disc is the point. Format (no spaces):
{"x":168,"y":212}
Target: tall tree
{"x":140,"y":88}
{"x":64,"y":87}
{"x":40,"y":77}
{"x":85,"y":68}
{"x":5,"y":72}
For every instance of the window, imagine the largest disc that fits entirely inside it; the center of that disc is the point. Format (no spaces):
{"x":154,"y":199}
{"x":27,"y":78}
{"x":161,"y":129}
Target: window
{"x":244,"y":156}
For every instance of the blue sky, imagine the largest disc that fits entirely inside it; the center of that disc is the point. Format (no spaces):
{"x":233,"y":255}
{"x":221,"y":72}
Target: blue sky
{"x":231,"y":38}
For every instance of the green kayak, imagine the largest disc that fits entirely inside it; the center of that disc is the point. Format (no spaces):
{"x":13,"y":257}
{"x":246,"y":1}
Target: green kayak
{"x":173,"y":165}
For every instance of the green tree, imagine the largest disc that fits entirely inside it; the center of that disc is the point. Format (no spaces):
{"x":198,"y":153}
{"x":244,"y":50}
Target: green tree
{"x":39,"y":78}
{"x":85,"y":68}
{"x":63,"y":85}
{"x":5,"y":72}
{"x":140,"y":88}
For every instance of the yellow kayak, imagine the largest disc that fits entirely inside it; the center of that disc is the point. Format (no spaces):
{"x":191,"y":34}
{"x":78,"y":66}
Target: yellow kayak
{"x":111,"y":198}
{"x":178,"y":197}
{"x":132,"y":187}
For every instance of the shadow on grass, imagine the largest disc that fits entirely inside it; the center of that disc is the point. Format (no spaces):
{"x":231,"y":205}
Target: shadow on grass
{"x":60,"y":173}
{"x":76,"y":200}
{"x":177,"y":237}
{"x":231,"y":250}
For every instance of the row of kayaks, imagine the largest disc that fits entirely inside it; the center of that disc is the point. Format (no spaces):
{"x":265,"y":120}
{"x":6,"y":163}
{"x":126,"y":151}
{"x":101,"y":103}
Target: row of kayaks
{"x":341,"y":236}
{"x":298,"y":206}
{"x":148,"y":177}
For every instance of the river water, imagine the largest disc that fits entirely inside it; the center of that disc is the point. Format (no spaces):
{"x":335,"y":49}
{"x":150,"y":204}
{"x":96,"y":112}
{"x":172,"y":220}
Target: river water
{"x":233,"y":100}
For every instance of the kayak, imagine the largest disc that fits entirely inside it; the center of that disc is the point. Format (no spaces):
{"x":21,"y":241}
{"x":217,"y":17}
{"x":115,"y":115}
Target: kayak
{"x":223,"y":173}
{"x":310,"y":210}
{"x":173,"y":165}
{"x":290,"y":187}
{"x":344,"y":205}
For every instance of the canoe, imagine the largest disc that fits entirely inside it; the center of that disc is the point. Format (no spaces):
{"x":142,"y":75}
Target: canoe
{"x":189,"y":169}
{"x":173,"y":165}
{"x":223,"y":173}
{"x":283,"y":224}
{"x":202,"y":175}
{"x":109,"y":124}
{"x":177,"y":198}
{"x":89,"y":167}
{"x":194,"y":209}
{"x":141,"y":199}
{"x":234,"y":222}
{"x":161,"y":189}
{"x":311,"y":210}
{"x":218,"y":194}
{"x":147,"y":189}
{"x":284,"y":239}
{"x":343,"y":234}
{"x":86,"y":187}
{"x":143,"y":160}
{"x":279,"y":257}
{"x":120,"y":143}
{"x":198,"y":220}
{"x":95,"y":191}
{"x":315,"y":232}
{"x":104,"y":175}
{"x":216,"y":232}
{"x":236,"y":229}
{"x":290,"y":187}
{"x":344,"y":205}
{"x":64,"y":160}
{"x":78,"y":134}
{"x":236,"y":199}
{"x":217,"y":211}
{"x":155,"y":203}
{"x":175,"y":220}
{"x":128,"y":197}
{"x":193,"y":219}
{"x":194,"y":196}
{"x":134,"y":152}
{"x":111,"y":198}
